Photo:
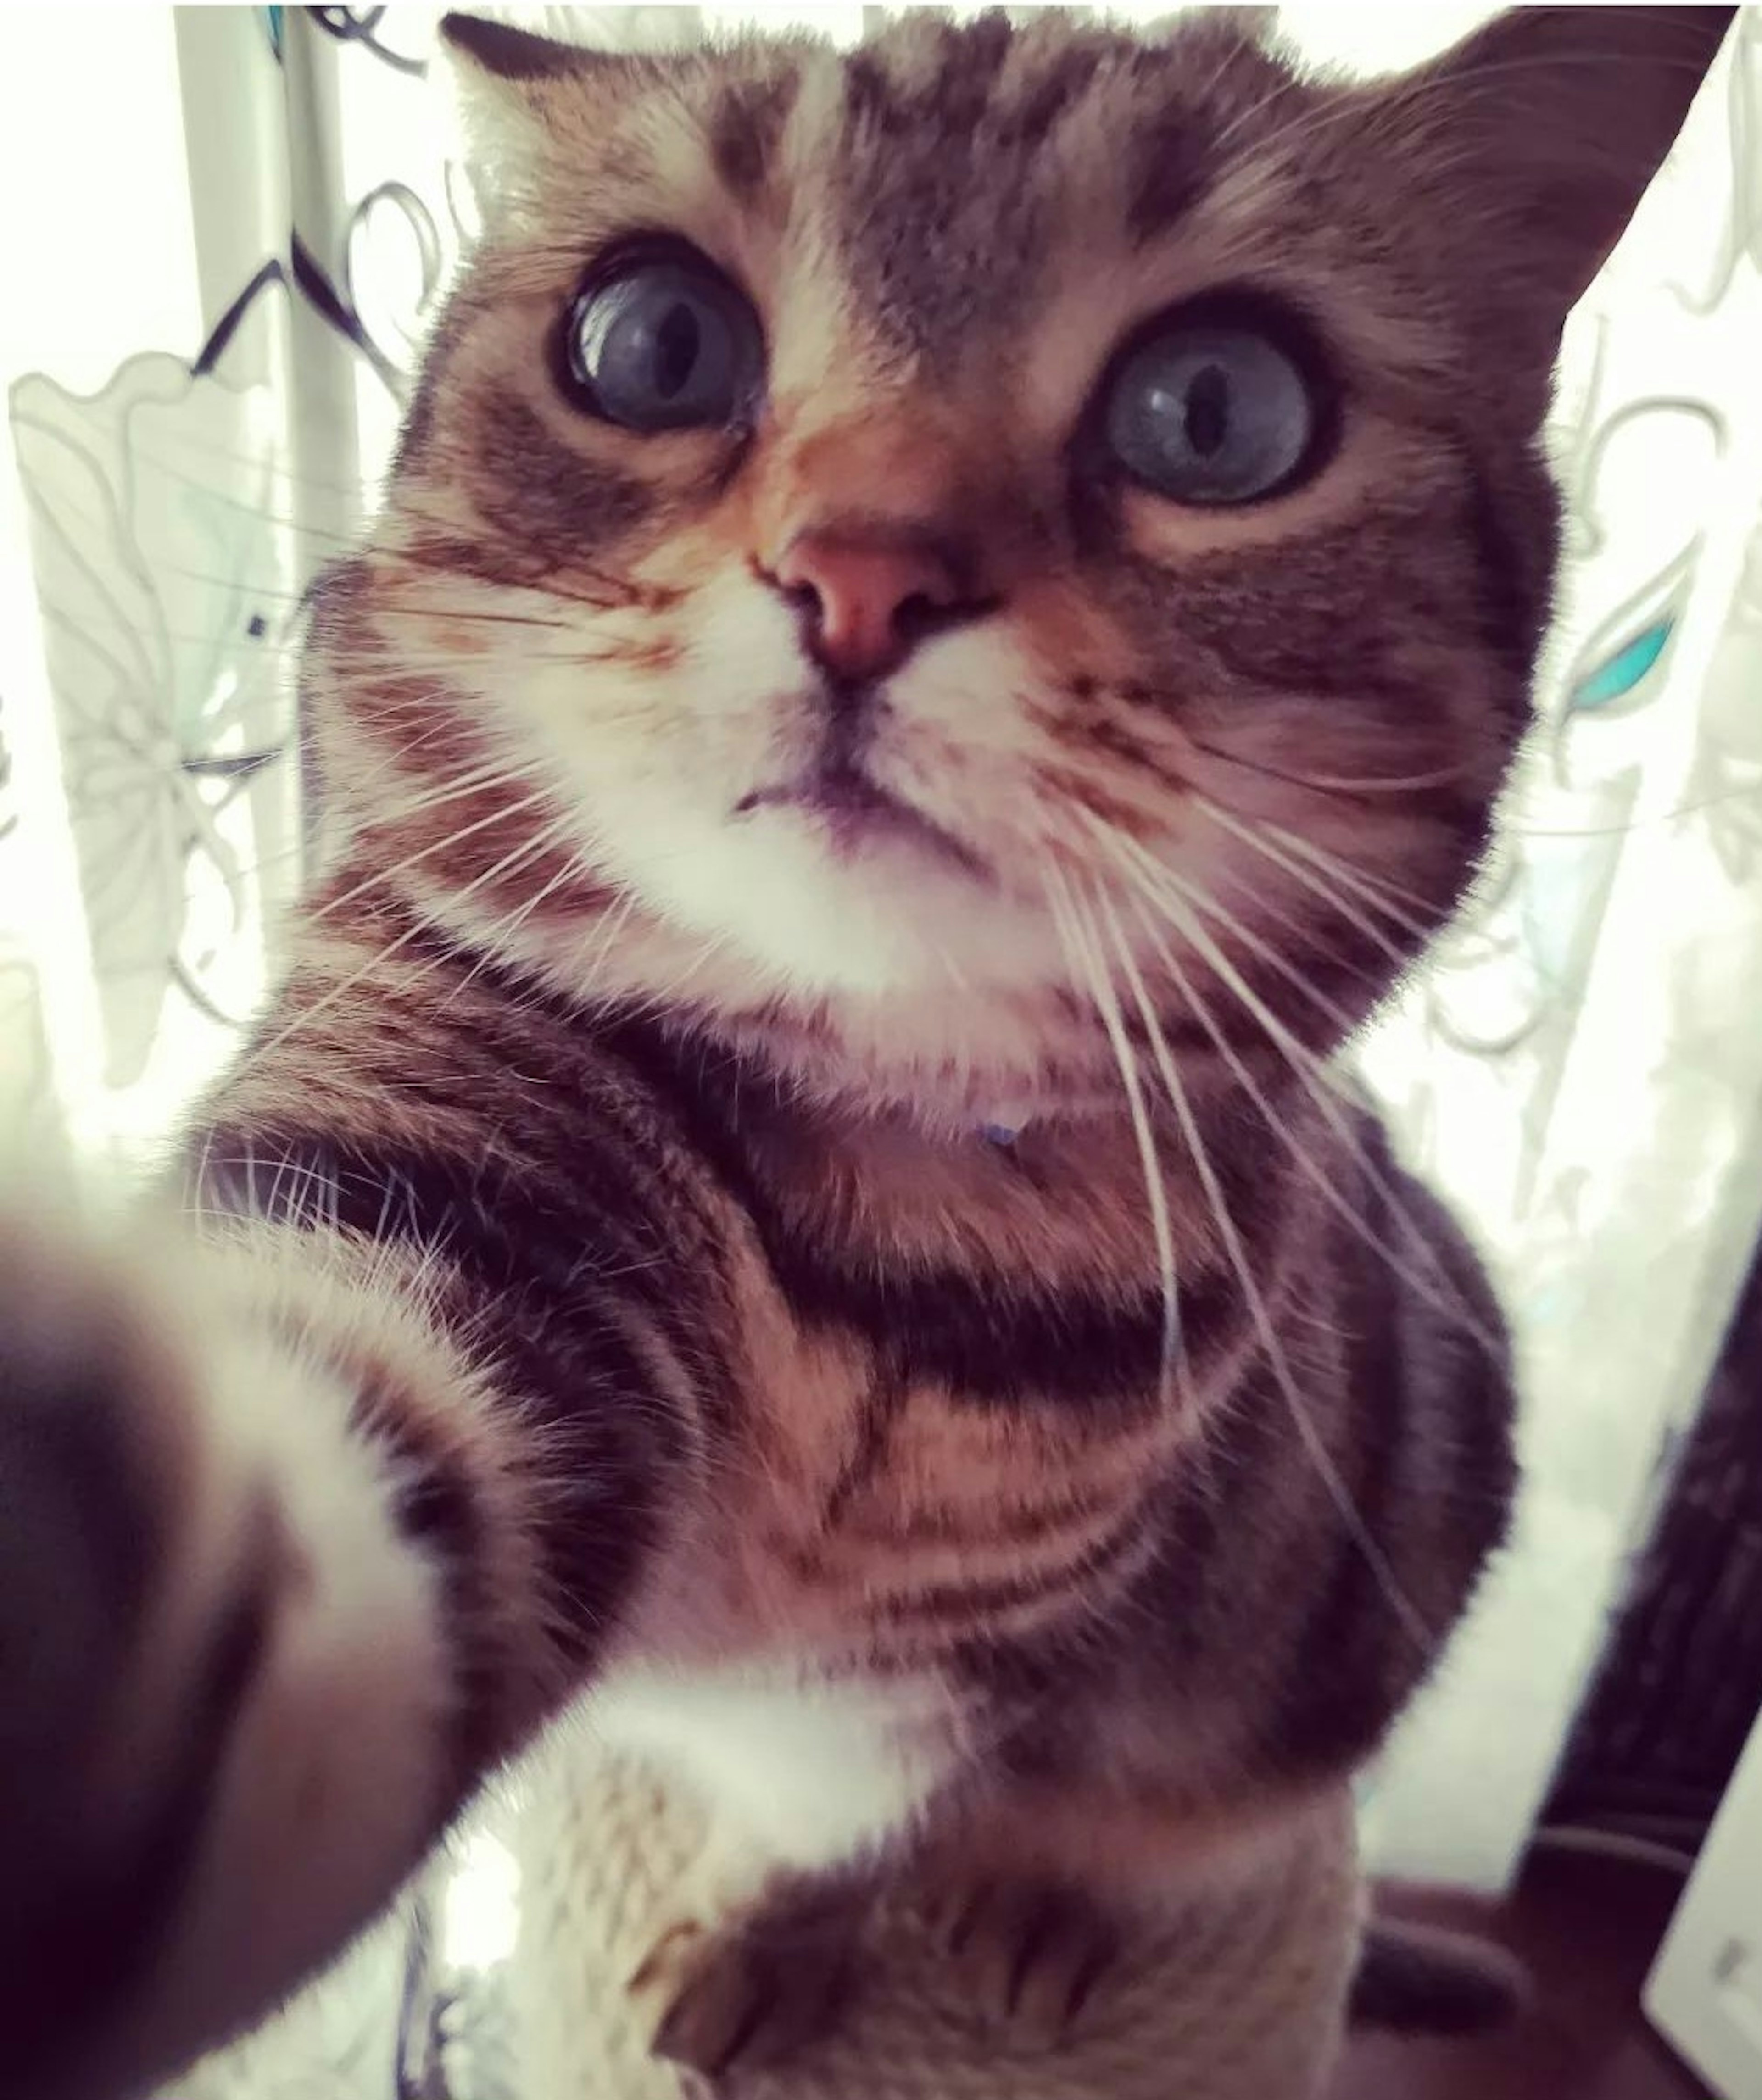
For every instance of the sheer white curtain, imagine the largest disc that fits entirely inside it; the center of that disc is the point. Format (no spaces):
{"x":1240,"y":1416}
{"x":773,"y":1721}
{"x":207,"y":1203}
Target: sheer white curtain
{"x":206,"y":336}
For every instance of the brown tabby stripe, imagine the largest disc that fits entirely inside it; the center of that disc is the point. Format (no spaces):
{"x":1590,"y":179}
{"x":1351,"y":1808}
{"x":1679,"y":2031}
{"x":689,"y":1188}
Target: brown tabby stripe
{"x":557,"y":504}
{"x":1407,"y":1367}
{"x":745,"y":129}
{"x":437,"y":1509}
{"x":992,"y":1343}
{"x":1171,"y":174}
{"x":1092,"y":1574}
{"x":926,"y":294}
{"x":1058,"y":90}
{"x":1299,"y":1638}
{"x":525,"y":1246}
{"x":879,"y":1410}
{"x":505,"y":1227}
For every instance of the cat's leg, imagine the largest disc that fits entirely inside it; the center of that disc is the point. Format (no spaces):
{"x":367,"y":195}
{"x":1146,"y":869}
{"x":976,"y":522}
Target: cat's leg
{"x":1031,"y":1950}
{"x":753,"y":1962}
{"x":802,"y":1787}
{"x":281,"y":1574}
{"x":1037,"y":1897}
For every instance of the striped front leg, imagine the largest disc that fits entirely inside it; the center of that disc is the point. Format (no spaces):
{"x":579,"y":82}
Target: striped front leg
{"x":287,"y":1561}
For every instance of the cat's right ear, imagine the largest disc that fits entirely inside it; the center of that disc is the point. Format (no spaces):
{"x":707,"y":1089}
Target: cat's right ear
{"x":520,"y":96}
{"x":485,"y":51}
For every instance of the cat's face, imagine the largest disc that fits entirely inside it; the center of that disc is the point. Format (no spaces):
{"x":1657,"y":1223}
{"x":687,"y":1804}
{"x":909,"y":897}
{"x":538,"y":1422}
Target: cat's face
{"x":923,"y":515}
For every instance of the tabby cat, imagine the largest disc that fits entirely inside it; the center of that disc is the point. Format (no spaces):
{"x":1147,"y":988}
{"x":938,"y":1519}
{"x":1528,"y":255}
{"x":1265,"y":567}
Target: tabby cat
{"x":948,"y":619}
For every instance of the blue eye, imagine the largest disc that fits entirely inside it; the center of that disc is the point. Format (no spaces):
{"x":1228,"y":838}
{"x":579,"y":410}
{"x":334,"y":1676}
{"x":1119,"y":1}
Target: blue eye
{"x":665,"y":346}
{"x":1206,"y":413}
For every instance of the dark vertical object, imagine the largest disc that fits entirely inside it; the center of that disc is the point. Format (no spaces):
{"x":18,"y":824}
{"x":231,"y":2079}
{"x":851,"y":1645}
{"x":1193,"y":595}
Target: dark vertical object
{"x":1681,"y":1688}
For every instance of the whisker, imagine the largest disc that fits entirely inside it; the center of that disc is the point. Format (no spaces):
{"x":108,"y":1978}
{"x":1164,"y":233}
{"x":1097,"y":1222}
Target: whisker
{"x":1355,"y":786}
{"x":1355,"y":879}
{"x":1079,"y":946}
{"x":502,"y":933}
{"x":1153,"y":884}
{"x":1251,"y":836}
{"x":607,"y":935}
{"x":385,"y":874}
{"x":1273,"y":1348}
{"x":1751,"y":792}
{"x":1451,"y":1308}
{"x":529,"y":849}
{"x":1203,"y":902}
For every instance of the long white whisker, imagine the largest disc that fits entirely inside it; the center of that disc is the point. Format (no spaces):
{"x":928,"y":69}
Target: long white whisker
{"x":379,"y":875}
{"x":1172,"y":892}
{"x":497,"y":939}
{"x":1355,"y":879}
{"x":605,"y":936}
{"x":1160,"y":885}
{"x":1375,"y":888}
{"x":1351,"y":1516}
{"x":1289,"y":849}
{"x":1252,"y":837}
{"x":1451,"y":1308}
{"x":1080,"y":947}
{"x":530,"y":849}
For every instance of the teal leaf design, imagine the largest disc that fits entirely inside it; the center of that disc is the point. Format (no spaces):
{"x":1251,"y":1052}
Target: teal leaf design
{"x":1619,"y":674}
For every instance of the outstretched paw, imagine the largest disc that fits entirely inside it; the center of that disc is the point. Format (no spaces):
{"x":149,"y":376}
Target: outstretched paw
{"x":117,"y":1695}
{"x":219,"y":1663}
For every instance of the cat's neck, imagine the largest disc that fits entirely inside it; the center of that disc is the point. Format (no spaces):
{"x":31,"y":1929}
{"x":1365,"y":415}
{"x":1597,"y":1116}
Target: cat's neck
{"x":956,"y":1065}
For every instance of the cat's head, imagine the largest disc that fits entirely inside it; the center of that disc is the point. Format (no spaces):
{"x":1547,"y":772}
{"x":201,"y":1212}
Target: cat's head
{"x":934,"y":525}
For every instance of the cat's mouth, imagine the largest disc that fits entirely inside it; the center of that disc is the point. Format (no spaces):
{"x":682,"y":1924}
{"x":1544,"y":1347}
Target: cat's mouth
{"x":857,"y":812}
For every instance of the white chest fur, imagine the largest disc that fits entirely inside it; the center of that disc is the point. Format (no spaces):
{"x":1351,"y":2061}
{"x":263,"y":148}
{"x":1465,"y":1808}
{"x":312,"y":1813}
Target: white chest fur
{"x":813,"y":1773}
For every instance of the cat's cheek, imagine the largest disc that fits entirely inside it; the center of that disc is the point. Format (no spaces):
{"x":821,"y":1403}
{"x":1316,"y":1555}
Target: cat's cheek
{"x":726,"y":706}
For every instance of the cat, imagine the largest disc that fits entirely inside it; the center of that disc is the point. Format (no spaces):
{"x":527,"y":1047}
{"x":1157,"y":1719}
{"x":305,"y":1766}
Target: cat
{"x":948,"y":619}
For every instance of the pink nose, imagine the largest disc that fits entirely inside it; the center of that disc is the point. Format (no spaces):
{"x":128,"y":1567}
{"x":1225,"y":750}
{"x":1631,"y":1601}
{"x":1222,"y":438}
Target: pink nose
{"x":867,"y":601}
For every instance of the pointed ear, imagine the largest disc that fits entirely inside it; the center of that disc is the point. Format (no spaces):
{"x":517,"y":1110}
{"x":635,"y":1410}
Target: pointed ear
{"x":521,"y":97}
{"x":1533,"y":141}
{"x":497,"y":51}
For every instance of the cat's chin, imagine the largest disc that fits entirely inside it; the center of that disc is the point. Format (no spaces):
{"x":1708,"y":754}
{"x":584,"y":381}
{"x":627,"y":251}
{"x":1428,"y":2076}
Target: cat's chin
{"x":856,"y":819}
{"x":853,"y":897}
{"x":823,"y":976}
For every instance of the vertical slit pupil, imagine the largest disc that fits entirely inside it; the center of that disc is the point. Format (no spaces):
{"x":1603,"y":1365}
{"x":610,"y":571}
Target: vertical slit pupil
{"x":677,"y":342}
{"x":1207,"y":415}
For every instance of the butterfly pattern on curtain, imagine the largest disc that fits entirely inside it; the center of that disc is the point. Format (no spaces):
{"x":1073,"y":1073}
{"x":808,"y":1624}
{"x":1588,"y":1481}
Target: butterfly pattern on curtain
{"x":176,"y":516}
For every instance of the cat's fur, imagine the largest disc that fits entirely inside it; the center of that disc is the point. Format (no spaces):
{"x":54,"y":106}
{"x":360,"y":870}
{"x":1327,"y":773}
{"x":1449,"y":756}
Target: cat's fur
{"x":603,"y":1278}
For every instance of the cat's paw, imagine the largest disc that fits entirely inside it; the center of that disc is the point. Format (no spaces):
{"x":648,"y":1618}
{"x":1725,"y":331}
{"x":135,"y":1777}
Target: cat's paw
{"x":1026,"y":1955}
{"x":749,"y":1991}
{"x":183,"y":1707}
{"x":119,"y":1681}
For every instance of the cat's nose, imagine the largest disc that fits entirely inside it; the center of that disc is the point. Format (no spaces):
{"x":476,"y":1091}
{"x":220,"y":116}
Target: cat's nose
{"x":867,"y":600}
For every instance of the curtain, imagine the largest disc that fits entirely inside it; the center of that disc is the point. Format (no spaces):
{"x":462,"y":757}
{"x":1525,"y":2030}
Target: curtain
{"x":208,"y":336}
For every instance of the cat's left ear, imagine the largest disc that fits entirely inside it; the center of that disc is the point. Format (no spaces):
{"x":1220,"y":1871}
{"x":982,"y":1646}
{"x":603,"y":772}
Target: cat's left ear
{"x":1532,"y":142}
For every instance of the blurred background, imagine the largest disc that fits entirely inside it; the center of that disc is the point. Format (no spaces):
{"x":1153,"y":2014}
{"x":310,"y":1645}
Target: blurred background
{"x":223,"y":230}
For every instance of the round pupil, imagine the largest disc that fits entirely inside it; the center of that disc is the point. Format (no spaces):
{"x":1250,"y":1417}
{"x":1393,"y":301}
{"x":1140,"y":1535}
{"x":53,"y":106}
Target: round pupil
{"x":679,"y":338}
{"x":1208,"y":410}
